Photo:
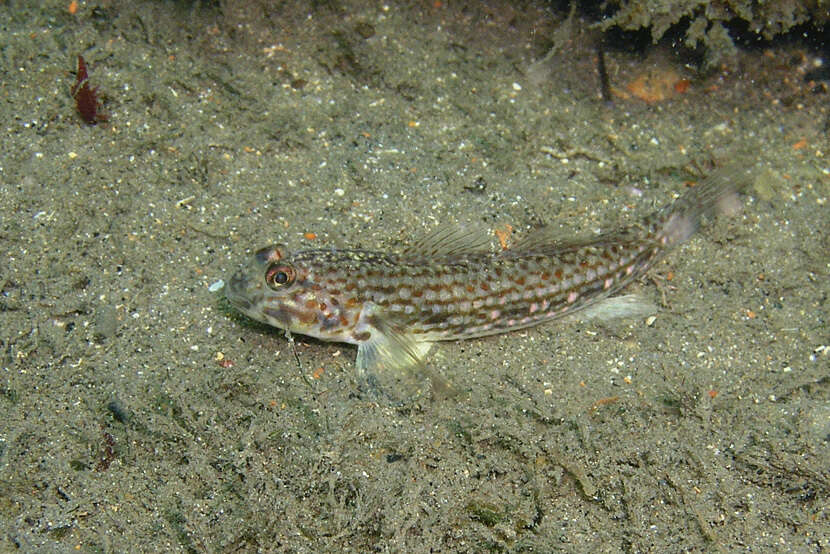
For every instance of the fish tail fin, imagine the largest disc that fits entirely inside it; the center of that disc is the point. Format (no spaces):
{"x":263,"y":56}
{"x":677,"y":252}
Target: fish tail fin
{"x":715,"y":195}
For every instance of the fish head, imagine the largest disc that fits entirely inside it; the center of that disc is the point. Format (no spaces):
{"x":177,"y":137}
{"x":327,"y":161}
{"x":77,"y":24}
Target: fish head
{"x":282,"y":290}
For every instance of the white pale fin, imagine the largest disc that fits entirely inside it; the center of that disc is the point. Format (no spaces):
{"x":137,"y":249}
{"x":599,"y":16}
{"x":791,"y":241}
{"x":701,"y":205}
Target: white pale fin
{"x":615,"y":307}
{"x":449,"y":240}
{"x":715,"y":195}
{"x":390,"y":349}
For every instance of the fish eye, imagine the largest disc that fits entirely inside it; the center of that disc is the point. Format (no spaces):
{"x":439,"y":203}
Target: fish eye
{"x":279,"y":275}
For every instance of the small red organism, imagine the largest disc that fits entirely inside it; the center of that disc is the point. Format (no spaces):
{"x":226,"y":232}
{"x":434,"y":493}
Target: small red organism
{"x":107,"y":454}
{"x":86,"y":97}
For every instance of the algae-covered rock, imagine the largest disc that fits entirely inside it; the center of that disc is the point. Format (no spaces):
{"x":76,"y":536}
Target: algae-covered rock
{"x":706,"y":20}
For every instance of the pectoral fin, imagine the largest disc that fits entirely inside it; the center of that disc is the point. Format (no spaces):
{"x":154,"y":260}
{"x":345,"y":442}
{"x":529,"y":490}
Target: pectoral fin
{"x":388,"y":348}
{"x":391,"y":359}
{"x":393,"y":363}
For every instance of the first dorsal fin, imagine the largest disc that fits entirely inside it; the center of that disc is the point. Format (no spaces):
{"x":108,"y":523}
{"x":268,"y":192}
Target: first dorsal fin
{"x":449,"y":240}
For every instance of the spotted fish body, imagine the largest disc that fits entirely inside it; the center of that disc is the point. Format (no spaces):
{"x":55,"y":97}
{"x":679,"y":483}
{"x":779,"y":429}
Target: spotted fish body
{"x":449,"y":286}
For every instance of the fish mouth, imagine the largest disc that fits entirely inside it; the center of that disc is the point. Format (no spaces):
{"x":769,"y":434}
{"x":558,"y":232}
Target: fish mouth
{"x":236,"y":292}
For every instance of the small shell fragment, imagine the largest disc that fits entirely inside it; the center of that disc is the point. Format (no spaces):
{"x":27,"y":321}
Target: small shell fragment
{"x":217,"y":286}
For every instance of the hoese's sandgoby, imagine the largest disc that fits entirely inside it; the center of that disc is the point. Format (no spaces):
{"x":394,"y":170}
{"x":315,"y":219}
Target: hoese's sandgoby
{"x":450,"y":286}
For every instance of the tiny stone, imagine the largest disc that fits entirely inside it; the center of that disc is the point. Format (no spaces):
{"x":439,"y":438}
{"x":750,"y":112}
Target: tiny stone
{"x":106,"y":322}
{"x":218,"y":285}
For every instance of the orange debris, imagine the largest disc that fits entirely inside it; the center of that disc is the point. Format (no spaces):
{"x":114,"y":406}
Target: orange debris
{"x":504,"y":235}
{"x":682,"y":86}
{"x":656,"y":86}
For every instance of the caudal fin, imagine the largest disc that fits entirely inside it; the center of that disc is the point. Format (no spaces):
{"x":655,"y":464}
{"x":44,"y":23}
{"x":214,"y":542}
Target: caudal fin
{"x":715,"y":195}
